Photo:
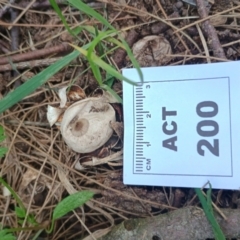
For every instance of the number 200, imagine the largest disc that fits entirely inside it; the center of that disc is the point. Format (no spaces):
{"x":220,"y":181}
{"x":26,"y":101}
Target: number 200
{"x":213,"y":148}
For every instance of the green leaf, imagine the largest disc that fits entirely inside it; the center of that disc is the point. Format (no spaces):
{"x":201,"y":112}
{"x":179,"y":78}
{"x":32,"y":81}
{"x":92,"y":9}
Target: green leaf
{"x":12,"y":192}
{"x":70,"y":203}
{"x":2,"y":134}
{"x":35,"y":82}
{"x":208,"y":210}
{"x":6,"y":235}
{"x":20,"y":221}
{"x":3,"y":151}
{"x":31,"y":219}
{"x":20,"y":212}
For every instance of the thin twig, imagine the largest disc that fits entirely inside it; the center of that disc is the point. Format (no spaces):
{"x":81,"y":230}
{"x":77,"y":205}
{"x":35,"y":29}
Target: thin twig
{"x":204,"y":44}
{"x":161,"y":8}
{"x":14,"y":32}
{"x":4,"y":47}
{"x":46,"y":3}
{"x":199,"y":55}
{"x":132,"y":10}
{"x":28,"y":64}
{"x":22,"y":13}
{"x":210,"y":31}
{"x":14,"y":41}
{"x":31,"y":123}
{"x":35,"y":54}
{"x":209,"y":17}
{"x":161,"y":27}
{"x":178,"y":35}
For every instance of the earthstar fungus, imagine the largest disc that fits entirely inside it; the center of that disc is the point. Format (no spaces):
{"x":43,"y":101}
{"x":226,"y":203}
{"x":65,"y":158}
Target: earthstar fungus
{"x":85,"y":123}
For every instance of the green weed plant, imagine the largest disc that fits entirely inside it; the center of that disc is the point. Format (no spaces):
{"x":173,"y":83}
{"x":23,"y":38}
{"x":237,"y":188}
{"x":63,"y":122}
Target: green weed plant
{"x":96,"y":62}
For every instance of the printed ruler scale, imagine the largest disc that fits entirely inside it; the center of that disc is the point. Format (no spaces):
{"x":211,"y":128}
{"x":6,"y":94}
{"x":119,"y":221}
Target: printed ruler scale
{"x":182,"y":126}
{"x":140,"y":159}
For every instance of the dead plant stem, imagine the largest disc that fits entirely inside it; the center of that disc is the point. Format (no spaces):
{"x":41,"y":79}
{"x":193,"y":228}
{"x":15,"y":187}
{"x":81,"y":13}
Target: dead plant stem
{"x":207,"y":18}
{"x":210,"y":31}
{"x":36,"y":54}
{"x":28,"y":64}
{"x":22,"y":13}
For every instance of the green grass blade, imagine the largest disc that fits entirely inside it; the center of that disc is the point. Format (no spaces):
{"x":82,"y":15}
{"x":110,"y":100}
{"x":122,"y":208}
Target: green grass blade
{"x":93,"y":44}
{"x":88,"y":10}
{"x":216,"y":228}
{"x":96,"y":72}
{"x":85,"y":8}
{"x":114,"y":94}
{"x":109,"y":37}
{"x":36,"y":236}
{"x":59,"y":12}
{"x":103,"y":65}
{"x":122,"y":44}
{"x":35,"y":82}
{"x":97,"y":39}
{"x":209,"y":199}
{"x":125,"y":46}
{"x":209,"y":213}
{"x":109,"y":80}
{"x":74,"y":32}
{"x":12,"y":192}
{"x":100,"y":46}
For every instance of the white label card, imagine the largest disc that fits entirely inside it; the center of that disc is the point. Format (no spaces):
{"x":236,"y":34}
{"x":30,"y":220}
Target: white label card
{"x":182,"y":126}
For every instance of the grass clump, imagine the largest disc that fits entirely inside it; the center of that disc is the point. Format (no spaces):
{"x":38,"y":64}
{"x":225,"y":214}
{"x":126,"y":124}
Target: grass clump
{"x":95,"y":52}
